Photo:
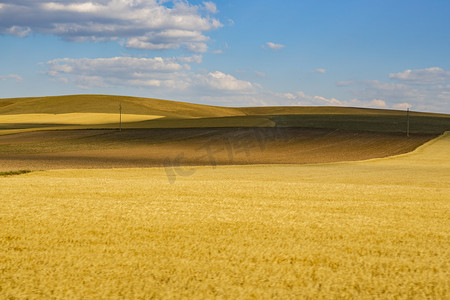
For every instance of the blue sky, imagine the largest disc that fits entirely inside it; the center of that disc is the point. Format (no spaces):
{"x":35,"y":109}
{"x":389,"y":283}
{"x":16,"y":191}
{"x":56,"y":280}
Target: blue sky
{"x":382,"y":54}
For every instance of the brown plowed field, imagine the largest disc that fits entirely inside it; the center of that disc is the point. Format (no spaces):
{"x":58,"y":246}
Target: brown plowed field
{"x":68,"y":149}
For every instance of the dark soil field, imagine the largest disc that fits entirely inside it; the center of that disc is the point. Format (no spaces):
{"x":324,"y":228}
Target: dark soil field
{"x":135,"y":148}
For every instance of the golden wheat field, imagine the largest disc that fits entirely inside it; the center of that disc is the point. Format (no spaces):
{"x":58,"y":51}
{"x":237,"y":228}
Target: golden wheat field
{"x":371,"y":229}
{"x":73,"y":118}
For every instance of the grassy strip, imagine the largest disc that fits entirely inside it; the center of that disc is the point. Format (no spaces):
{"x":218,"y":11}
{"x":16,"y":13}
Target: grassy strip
{"x":11,"y":173}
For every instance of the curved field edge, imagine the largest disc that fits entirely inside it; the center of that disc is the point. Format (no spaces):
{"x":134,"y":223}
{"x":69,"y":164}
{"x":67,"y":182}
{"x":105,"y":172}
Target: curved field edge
{"x":438,"y":154}
{"x":436,"y":150}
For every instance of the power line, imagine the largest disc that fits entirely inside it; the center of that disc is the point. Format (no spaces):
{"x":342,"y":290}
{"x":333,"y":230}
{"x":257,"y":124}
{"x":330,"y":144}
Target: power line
{"x":407,"y":122}
{"x":120,"y":116}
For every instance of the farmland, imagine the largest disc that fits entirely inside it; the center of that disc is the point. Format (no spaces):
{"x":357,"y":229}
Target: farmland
{"x":377,"y":228}
{"x":195,"y":201}
{"x":75,"y":149}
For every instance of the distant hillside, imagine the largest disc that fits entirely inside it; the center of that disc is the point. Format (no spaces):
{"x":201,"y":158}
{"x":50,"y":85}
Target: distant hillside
{"x":329,"y":110}
{"x":102,"y":112}
{"x":110,"y":104}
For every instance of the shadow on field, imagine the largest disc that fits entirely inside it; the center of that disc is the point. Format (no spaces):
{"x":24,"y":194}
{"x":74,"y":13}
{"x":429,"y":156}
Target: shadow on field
{"x":132,"y":148}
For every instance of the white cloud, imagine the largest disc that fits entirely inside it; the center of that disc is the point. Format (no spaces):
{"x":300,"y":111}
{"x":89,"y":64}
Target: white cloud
{"x":299,"y":98}
{"x":170,"y":74}
{"x":320,"y":70}
{"x":210,"y":6}
{"x":324,"y":101}
{"x":289,"y":96}
{"x":190,"y":59}
{"x":20,"y":31}
{"x":273,"y":46}
{"x":103,"y":72}
{"x":224,"y":82}
{"x":12,"y":76}
{"x":378,"y":103}
{"x":197,"y":47}
{"x":433,"y":75}
{"x":403,"y":105}
{"x":425,"y":89}
{"x":143,"y":24}
{"x":173,"y":78}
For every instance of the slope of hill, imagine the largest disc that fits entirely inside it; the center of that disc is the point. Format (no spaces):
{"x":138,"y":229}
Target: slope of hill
{"x":19,"y":114}
{"x":330,"y":110}
{"x":110,"y":104}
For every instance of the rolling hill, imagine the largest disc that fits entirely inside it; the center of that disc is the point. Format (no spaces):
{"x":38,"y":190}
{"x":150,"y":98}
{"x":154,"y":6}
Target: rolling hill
{"x":22,"y":114}
{"x":81,"y":131}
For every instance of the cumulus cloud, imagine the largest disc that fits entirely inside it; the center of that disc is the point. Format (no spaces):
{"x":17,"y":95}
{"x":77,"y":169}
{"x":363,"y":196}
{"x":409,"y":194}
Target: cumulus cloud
{"x":190,"y":59}
{"x":173,"y":77}
{"x":142,"y":24}
{"x":433,"y":75}
{"x":172,"y":74}
{"x":425,"y":89}
{"x":223,"y":82}
{"x":378,"y":103}
{"x":132,"y":71}
{"x":11,"y":76}
{"x":273,"y":46}
{"x":210,"y":6}
{"x":301,"y":99}
{"x":20,"y":31}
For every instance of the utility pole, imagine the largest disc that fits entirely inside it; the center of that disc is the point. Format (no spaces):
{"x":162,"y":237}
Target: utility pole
{"x":120,"y":116}
{"x":407,"y":122}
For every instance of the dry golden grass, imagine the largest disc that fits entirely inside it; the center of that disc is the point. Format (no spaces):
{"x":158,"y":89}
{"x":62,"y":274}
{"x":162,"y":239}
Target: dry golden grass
{"x":373,"y":229}
{"x":110,"y":104}
{"x":74,"y":118}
